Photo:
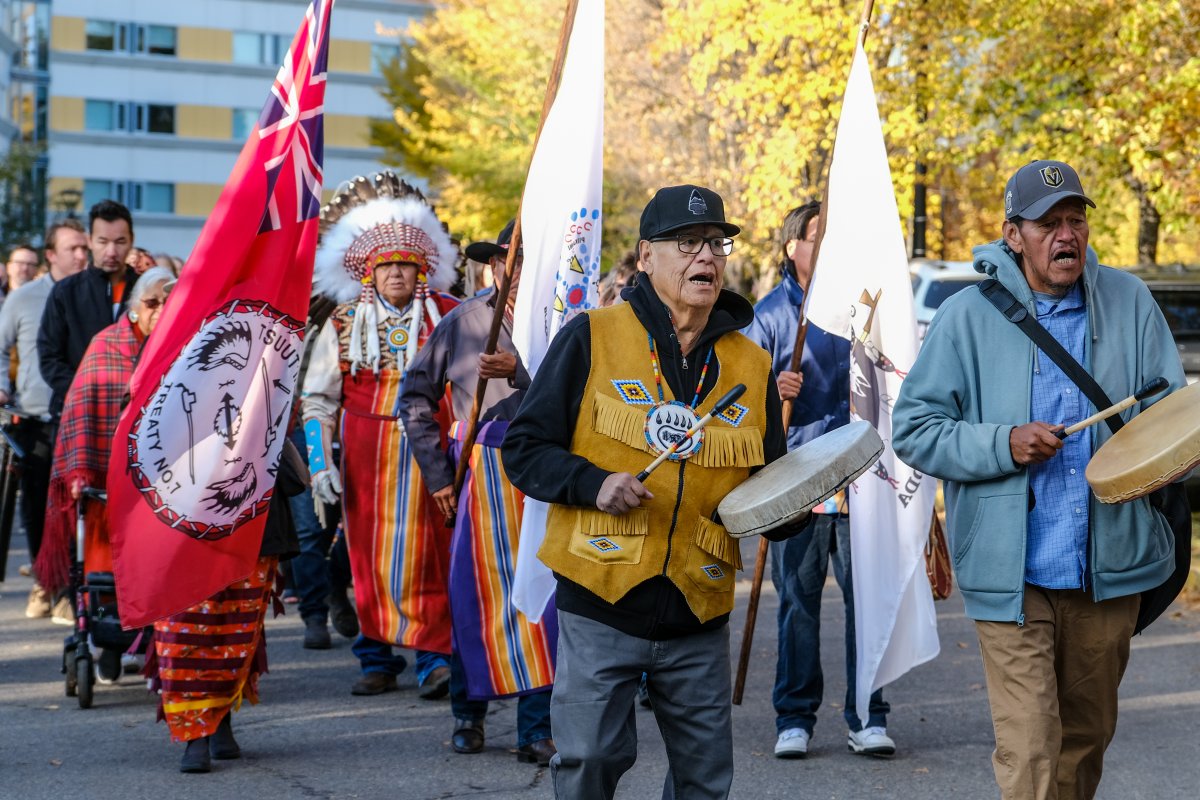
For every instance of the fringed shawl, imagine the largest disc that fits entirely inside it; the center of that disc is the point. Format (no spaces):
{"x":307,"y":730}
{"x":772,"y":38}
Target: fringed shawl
{"x":85,"y":439}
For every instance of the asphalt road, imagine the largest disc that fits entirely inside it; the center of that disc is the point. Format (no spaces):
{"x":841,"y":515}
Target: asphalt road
{"x":310,"y":738}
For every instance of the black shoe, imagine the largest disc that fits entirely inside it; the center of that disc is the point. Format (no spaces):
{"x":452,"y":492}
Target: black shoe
{"x":341,"y":614}
{"x":436,"y":685}
{"x":316,"y":634}
{"x":222,"y":745}
{"x":195,"y":757}
{"x":108,"y":666}
{"x":374,"y":683}
{"x":468,"y":736}
{"x":540,"y":751}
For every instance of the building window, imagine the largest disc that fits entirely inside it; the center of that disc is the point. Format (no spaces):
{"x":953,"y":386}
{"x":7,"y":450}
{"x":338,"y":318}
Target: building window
{"x":103,"y":115}
{"x":122,"y":37}
{"x":156,"y":118}
{"x":106,"y":115}
{"x":95,"y":191}
{"x":148,"y":198}
{"x":257,"y":48}
{"x":102,"y":35}
{"x":157,"y":40}
{"x":382,"y":55}
{"x":244,"y":120}
{"x":156,"y":198}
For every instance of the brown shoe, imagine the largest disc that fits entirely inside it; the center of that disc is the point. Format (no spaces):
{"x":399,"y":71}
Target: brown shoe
{"x":436,"y":685}
{"x":540,"y":751}
{"x":39,"y":603}
{"x":374,"y":683}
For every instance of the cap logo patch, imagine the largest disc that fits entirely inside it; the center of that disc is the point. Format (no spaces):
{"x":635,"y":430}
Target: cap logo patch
{"x":1051,"y":176}
{"x":696,"y":204}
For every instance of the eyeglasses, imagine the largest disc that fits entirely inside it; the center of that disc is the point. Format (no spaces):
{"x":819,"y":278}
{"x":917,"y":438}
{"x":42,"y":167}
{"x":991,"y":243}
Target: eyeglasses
{"x":152,"y":302}
{"x":691,"y":243}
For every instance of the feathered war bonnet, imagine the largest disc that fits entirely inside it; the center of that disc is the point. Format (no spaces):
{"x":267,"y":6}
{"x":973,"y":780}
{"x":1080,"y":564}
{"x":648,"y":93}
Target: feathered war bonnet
{"x":373,"y":221}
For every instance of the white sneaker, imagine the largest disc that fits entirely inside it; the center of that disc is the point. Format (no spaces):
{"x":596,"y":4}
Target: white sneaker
{"x":792,"y":743}
{"x":871,"y":742}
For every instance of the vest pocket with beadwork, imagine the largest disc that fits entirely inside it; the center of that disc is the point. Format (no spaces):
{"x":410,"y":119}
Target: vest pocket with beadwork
{"x":713,"y":558}
{"x":607,"y":539}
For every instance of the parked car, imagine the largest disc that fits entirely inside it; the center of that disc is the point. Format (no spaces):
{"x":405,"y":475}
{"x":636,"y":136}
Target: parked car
{"x":1177,"y":290}
{"x":933,"y":281}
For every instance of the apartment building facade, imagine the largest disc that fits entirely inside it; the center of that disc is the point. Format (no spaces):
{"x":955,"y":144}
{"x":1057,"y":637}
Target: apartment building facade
{"x":150,"y":101}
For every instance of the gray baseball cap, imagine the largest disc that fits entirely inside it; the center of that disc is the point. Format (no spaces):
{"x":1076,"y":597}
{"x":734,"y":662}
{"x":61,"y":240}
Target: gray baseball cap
{"x":1038,"y":186}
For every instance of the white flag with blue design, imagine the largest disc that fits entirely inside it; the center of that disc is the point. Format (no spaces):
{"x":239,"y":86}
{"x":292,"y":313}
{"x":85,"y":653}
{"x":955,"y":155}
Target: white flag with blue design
{"x":561,"y":216}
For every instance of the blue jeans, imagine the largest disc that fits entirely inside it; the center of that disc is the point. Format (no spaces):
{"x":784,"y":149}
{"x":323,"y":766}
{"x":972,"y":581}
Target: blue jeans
{"x":533,"y":710}
{"x":315,"y":571}
{"x":376,"y":656}
{"x":798,"y":569}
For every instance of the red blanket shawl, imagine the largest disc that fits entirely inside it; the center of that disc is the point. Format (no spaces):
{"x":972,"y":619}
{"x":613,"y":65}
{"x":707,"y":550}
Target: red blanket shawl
{"x":89,"y":419}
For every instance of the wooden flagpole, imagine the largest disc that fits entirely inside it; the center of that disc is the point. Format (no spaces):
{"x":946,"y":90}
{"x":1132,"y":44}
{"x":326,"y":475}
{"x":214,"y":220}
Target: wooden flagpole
{"x":514,"y":247}
{"x":760,"y":562}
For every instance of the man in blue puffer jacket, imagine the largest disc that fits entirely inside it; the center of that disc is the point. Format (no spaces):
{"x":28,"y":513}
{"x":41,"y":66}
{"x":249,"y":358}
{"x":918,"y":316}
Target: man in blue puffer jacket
{"x":1050,"y":575}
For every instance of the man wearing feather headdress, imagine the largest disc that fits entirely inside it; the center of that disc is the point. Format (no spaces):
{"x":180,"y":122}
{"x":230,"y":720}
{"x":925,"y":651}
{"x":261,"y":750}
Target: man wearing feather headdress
{"x":387,"y":259}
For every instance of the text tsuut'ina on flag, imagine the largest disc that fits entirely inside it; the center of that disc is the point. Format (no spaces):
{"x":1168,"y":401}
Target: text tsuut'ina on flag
{"x":561,"y":216}
{"x":196,"y":451}
{"x":861,"y":289}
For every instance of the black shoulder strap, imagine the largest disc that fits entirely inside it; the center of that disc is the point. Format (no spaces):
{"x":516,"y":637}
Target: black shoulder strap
{"x":1017,"y":314}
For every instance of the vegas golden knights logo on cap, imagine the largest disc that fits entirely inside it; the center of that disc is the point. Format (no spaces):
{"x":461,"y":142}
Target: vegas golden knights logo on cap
{"x":1051,"y":176}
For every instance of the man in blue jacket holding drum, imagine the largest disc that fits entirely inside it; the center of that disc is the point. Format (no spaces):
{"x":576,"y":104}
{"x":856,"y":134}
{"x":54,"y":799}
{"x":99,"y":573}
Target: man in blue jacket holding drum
{"x":1051,"y":575}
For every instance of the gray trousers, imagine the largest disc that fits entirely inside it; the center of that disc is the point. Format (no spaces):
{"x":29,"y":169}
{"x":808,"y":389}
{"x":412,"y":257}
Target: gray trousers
{"x":592,"y":709}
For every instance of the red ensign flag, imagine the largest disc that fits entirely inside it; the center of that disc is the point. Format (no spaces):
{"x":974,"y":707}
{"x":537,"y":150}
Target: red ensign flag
{"x":195,"y":454}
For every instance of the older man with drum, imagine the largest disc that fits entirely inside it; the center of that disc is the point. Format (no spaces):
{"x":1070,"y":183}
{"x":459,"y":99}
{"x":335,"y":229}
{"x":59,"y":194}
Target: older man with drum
{"x":645,"y":573}
{"x":1051,"y":575}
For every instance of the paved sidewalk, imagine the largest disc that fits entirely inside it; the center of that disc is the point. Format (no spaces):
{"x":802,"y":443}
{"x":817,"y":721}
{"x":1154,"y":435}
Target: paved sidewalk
{"x":311,"y":739}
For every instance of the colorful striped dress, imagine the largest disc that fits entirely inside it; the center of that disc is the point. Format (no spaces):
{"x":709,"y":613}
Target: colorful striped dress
{"x":503,"y":653}
{"x":399,"y":545}
{"x":207,"y":659}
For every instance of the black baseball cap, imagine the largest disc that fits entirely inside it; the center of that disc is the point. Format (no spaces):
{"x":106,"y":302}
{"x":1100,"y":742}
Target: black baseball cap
{"x":1038,"y":186}
{"x":675,"y":207}
{"x":486,"y":251}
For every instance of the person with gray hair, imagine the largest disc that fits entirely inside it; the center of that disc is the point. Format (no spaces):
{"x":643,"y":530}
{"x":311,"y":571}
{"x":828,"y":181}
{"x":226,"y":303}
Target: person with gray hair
{"x":91,"y":410}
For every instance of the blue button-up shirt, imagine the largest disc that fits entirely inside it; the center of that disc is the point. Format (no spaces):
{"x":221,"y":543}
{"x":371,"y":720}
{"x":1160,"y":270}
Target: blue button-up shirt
{"x":1056,"y":552}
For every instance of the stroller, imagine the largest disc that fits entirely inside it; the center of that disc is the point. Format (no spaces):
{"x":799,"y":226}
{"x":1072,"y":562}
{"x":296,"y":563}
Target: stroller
{"x":97,"y":623}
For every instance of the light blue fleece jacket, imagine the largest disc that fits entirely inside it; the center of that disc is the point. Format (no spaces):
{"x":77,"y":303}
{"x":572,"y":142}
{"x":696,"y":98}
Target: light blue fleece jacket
{"x":968,"y":389}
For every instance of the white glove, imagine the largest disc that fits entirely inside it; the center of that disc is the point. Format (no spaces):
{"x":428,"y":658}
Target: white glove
{"x":327,"y":486}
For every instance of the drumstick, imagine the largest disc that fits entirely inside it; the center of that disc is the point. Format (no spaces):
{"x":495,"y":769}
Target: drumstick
{"x":1151,"y":388}
{"x":722,"y":404}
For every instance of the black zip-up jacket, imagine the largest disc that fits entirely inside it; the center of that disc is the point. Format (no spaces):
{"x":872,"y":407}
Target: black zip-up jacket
{"x":79,"y":307}
{"x":539,"y":462}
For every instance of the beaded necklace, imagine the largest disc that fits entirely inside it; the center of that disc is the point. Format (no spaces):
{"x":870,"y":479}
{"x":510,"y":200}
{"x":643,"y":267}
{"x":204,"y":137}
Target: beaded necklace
{"x":658,"y":375}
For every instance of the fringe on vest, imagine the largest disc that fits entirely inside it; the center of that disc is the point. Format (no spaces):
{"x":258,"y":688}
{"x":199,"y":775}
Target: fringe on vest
{"x":723,"y":447}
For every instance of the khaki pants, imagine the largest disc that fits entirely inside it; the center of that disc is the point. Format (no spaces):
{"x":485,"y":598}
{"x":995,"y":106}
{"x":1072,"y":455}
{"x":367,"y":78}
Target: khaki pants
{"x":1052,"y":685}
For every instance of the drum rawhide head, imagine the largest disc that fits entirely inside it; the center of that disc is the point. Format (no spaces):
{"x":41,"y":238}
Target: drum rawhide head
{"x":788,"y":488}
{"x":1153,"y":449}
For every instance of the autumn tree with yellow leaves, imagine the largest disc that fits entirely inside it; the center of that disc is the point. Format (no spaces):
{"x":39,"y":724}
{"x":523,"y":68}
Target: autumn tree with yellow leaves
{"x":744,"y":96}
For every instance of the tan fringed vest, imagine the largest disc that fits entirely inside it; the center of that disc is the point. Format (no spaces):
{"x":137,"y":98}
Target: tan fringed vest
{"x":671,"y":534}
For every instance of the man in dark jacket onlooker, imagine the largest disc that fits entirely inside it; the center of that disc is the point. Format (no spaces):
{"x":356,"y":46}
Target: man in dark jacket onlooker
{"x":82,"y":305}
